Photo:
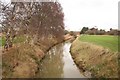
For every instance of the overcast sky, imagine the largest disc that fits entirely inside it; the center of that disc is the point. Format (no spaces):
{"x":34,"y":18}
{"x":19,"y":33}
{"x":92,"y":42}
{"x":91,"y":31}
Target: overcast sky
{"x":89,"y":13}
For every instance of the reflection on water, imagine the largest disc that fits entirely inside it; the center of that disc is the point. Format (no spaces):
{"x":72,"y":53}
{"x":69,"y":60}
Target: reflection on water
{"x":58,"y":64}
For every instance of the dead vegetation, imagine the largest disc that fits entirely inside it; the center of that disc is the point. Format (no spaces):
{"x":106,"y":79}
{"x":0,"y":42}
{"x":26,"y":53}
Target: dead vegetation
{"x":42,"y":25}
{"x":22,"y":60}
{"x":99,"y":61}
{"x":15,"y":58}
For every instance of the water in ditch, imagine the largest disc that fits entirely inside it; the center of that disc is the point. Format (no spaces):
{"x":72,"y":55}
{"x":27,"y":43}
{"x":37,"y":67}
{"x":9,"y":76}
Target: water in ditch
{"x":58,"y":63}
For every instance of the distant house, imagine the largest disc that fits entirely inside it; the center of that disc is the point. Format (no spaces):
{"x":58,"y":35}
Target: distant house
{"x":113,"y":32}
{"x":95,"y":31}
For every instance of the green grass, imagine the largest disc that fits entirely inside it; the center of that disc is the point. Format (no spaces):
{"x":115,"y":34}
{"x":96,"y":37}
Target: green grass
{"x":19,"y":39}
{"x":16,"y":40}
{"x":2,"y":41}
{"x":106,"y":41}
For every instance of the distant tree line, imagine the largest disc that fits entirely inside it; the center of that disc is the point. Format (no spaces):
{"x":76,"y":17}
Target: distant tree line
{"x":72,"y":33}
{"x":95,"y":31}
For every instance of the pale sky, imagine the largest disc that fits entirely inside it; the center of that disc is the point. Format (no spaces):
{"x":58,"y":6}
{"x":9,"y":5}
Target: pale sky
{"x":89,"y":13}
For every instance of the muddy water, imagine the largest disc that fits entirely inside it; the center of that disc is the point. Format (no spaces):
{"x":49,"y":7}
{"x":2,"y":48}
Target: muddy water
{"x":59,"y":64}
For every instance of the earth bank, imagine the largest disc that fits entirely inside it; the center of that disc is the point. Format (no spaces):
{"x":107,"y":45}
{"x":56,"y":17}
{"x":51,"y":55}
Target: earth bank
{"x":22,"y":60}
{"x":101,"y":62}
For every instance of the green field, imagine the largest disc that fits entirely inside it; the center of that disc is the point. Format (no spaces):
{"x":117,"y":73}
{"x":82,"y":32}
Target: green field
{"x":106,"y":41}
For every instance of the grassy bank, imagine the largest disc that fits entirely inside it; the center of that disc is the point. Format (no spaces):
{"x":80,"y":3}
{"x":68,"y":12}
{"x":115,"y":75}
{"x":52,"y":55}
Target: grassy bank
{"x":19,"y":61}
{"x":23,"y":59}
{"x":97,"y":54}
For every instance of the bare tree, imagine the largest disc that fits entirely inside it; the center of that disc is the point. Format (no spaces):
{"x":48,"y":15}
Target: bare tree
{"x":38,"y":20}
